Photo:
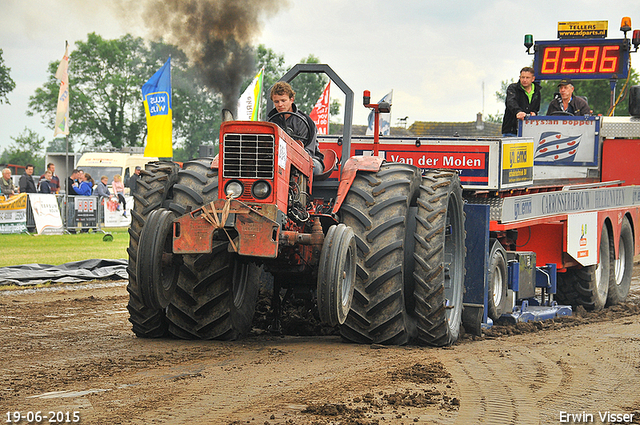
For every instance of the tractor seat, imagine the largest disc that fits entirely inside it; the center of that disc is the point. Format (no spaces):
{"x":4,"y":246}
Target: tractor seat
{"x":330,"y":162}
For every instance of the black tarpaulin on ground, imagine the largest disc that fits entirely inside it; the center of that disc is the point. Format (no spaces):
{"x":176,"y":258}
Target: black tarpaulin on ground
{"x":74,"y":272}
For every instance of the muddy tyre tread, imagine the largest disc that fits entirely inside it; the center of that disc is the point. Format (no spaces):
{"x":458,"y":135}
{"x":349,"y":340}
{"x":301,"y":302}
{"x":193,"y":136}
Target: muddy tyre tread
{"x":203,"y":304}
{"x":440,"y":190}
{"x":153,"y":189}
{"x":372,"y":208}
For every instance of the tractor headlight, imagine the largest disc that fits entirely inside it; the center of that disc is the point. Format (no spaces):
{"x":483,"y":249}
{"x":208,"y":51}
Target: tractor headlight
{"x":233,"y":189}
{"x":261,"y":189}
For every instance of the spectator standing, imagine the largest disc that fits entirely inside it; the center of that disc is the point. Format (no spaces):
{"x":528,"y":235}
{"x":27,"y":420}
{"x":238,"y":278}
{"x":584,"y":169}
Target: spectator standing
{"x":102,"y":188}
{"x":133,"y":180}
{"x":54,"y":181}
{"x":26,"y":183}
{"x":523,"y":98}
{"x":85,"y":188}
{"x":72,"y":182}
{"x":6,"y":183}
{"x":118,"y":190}
{"x":45,"y":183}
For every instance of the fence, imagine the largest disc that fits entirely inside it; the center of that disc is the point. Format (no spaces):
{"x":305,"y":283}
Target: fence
{"x":84,"y":213}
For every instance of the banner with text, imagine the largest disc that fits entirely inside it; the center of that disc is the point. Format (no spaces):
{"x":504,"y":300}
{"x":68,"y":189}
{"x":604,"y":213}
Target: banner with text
{"x":13,"y":214}
{"x":46,"y":213}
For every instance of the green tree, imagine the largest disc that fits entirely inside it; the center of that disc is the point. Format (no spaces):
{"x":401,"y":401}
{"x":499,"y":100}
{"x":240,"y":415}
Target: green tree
{"x":308,"y":86}
{"x":106,"y":109}
{"x":59,"y":145}
{"x":274,"y":69}
{"x":104,"y":81}
{"x":25,"y":150}
{"x":6,"y":83}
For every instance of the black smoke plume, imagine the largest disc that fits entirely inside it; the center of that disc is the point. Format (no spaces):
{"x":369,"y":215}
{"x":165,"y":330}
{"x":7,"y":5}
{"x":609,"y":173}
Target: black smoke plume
{"x":216,"y":35}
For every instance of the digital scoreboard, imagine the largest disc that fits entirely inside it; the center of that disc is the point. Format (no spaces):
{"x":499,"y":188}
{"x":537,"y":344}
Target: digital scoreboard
{"x":582,"y":59}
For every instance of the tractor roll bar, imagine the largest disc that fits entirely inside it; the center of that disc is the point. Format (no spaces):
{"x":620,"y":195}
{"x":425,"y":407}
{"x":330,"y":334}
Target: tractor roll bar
{"x":317,"y":68}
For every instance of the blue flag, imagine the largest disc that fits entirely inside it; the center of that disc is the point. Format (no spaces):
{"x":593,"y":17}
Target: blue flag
{"x":156,"y":94}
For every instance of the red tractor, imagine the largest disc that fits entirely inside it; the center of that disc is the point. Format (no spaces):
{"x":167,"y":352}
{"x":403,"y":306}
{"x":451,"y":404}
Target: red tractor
{"x":380,"y":249}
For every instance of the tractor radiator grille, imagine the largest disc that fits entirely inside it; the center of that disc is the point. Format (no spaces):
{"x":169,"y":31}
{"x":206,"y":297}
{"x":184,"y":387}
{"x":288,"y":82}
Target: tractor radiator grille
{"x":248,"y":156}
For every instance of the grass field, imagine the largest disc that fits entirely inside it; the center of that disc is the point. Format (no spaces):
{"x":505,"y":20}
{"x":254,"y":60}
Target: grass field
{"x":60,"y":249}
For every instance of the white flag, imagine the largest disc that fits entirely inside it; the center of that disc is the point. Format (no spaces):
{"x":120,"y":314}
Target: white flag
{"x":249,"y":102}
{"x":385,"y":119}
{"x":62,"y":113}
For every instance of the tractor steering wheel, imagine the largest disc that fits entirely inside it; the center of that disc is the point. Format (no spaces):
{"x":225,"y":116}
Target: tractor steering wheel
{"x":569,"y":114}
{"x":305,"y":140}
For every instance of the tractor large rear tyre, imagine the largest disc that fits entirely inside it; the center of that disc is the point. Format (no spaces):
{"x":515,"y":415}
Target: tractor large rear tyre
{"x":377,"y":208}
{"x":587,"y":286}
{"x":152,"y":190}
{"x":439,"y":258}
{"x":216,"y":293}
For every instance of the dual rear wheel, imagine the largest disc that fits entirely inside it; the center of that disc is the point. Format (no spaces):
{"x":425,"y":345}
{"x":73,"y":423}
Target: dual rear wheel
{"x":409,"y":234}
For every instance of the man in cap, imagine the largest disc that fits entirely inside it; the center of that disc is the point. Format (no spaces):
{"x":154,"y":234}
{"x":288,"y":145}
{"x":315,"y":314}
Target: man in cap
{"x":567,"y":102}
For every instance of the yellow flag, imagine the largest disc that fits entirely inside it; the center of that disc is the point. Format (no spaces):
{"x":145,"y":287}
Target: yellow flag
{"x":156,"y":94}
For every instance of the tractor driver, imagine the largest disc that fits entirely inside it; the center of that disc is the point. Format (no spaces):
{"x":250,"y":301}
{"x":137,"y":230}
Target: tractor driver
{"x":282,"y":96}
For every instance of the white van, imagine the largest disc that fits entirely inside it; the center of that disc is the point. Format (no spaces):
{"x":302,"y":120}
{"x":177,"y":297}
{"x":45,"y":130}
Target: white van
{"x":99,"y":164}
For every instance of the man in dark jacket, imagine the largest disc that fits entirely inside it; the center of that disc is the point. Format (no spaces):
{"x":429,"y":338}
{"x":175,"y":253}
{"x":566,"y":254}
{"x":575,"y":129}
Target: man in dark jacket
{"x":567,"y":102}
{"x":283,"y":96}
{"x":523,"y":98}
{"x":132,"y":184}
{"x":26,"y":183}
{"x":72,"y":182}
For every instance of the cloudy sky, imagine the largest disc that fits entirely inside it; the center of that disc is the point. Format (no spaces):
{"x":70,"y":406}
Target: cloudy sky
{"x":444,"y":60}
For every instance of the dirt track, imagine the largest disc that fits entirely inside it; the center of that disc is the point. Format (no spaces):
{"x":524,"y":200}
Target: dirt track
{"x":70,"y":349}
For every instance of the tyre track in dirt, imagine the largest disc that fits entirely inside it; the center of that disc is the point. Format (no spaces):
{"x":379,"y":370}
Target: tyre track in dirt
{"x":71,"y":349}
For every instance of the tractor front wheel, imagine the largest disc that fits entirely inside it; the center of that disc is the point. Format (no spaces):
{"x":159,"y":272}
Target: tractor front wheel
{"x":153,"y":189}
{"x":157,"y":267}
{"x":336,"y":275}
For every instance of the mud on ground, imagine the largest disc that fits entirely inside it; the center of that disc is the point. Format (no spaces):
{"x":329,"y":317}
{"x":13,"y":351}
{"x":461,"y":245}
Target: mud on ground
{"x":70,"y":348}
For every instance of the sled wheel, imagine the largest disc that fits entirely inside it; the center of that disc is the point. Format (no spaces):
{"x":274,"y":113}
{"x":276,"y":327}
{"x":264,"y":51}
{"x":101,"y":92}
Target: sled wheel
{"x":587,"y":286}
{"x":623,"y":266}
{"x":336,"y":275}
{"x":497,"y":281}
